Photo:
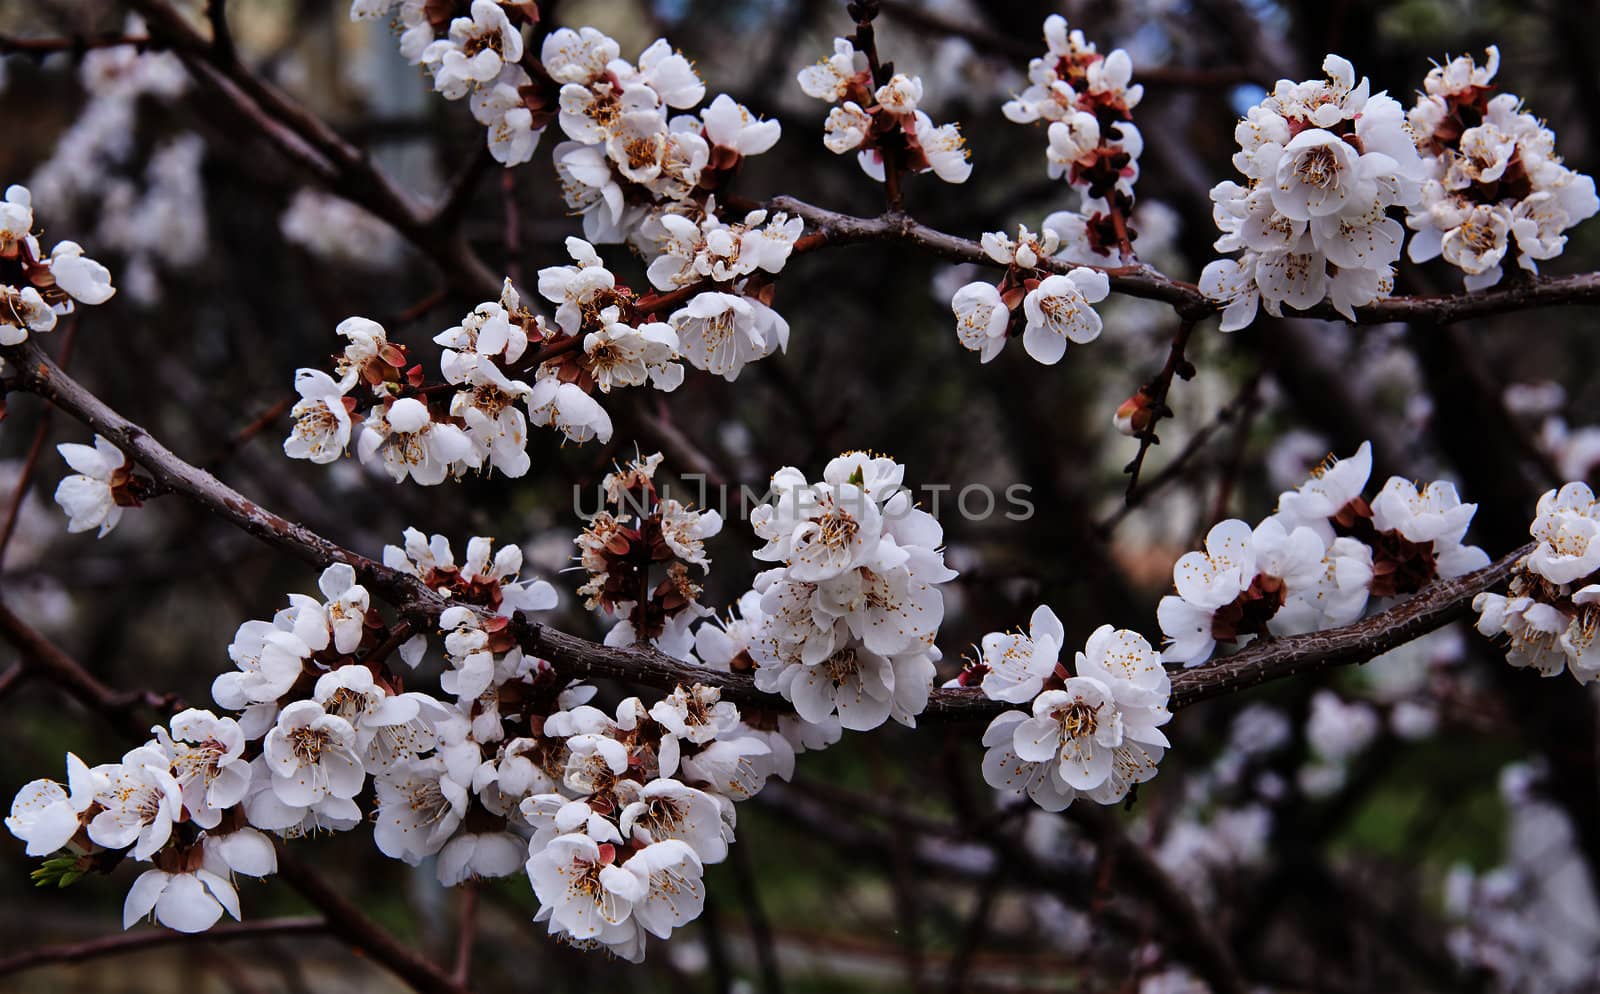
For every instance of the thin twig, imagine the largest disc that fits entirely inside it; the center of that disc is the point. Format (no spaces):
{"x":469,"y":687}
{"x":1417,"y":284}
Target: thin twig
{"x":75,"y":44}
{"x":1155,"y":399}
{"x":1183,"y":462}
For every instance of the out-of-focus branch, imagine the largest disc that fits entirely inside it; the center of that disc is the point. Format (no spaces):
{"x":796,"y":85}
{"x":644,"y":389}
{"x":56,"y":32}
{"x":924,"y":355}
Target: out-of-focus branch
{"x":1188,"y":930}
{"x":130,"y":942}
{"x":316,"y":148}
{"x":44,"y":660}
{"x":1272,"y":659}
{"x":349,"y":923}
{"x":75,"y":44}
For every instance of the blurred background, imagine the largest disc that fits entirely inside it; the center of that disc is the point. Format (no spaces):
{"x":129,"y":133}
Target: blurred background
{"x":1443,"y":835}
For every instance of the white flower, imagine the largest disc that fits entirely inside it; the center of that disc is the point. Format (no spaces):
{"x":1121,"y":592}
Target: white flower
{"x":579,"y":56}
{"x":477,"y":48}
{"x":856,"y":684}
{"x":480,"y":856}
{"x":46,"y":816}
{"x":207,"y":755}
{"x":311,"y":755}
{"x":241,"y":851}
{"x":419,"y":807}
{"x":1019,"y":664}
{"x":620,"y":355}
{"x":697,"y":714}
{"x":496,"y":428}
{"x":1567,"y":528}
{"x":685,"y":530}
{"x":586,"y":895}
{"x":576,"y":288}
{"x":1232,"y":283}
{"x":1101,"y":728}
{"x":1578,"y":641}
{"x":364,"y":10}
{"x":1004,"y":770}
{"x":731,"y":125}
{"x":1435,"y":515}
{"x":184,"y":902}
{"x":389,"y":726}
{"x":830,"y":79}
{"x":406,"y":441}
{"x":499,"y":106}
{"x":945,"y":149}
{"x":733,"y":768}
{"x":16,"y":219}
{"x":367,"y":342}
{"x":1315,"y":174}
{"x":83,"y":279}
{"x":1058,"y":310}
{"x":1025,"y":250}
{"x":669,"y":74}
{"x":670,"y":809}
{"x":1331,"y":488}
{"x":1479,"y":241}
{"x":321,"y":419}
{"x":270,"y":655}
{"x":1072,"y":139}
{"x":1533,"y":628}
{"x":22,"y":311}
{"x":88,"y":496}
{"x":1205,"y":581}
{"x":721,"y":332}
{"x":567,"y":408}
{"x":901,"y":94}
{"x":141,"y":801}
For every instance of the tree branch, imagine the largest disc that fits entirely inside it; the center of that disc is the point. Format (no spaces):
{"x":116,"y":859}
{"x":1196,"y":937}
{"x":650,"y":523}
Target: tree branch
{"x":1270,"y":659}
{"x":349,"y":923}
{"x":831,"y":228}
{"x":130,"y":942}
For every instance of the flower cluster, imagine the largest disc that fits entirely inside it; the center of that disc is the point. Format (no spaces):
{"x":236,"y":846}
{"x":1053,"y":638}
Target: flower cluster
{"x":627,"y":161}
{"x":727,"y":269}
{"x":1317,"y":561}
{"x":1324,"y":161}
{"x":477,"y":418}
{"x":316,"y":711}
{"x":1552,"y":617}
{"x":1093,"y":730}
{"x":1493,"y":177}
{"x":878,"y":118}
{"x":638,"y":552}
{"x":612,"y":816}
{"x":846,"y":622}
{"x":1048,"y":309}
{"x":37,"y":289}
{"x":475,"y":51}
{"x":1087,"y":102}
